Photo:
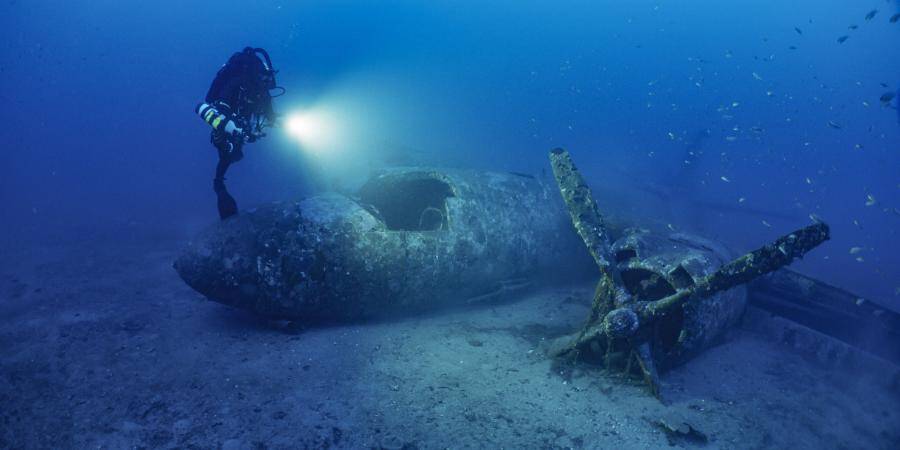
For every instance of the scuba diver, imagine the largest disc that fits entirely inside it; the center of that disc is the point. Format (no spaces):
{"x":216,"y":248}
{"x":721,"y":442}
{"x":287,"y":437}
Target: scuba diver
{"x":238,"y":107}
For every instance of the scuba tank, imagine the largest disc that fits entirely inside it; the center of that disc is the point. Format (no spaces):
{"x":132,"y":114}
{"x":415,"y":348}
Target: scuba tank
{"x":217,"y":119}
{"x":238,"y":102}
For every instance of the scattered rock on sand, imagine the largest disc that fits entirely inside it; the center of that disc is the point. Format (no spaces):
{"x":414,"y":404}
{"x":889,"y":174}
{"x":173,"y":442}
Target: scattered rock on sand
{"x":677,"y":427}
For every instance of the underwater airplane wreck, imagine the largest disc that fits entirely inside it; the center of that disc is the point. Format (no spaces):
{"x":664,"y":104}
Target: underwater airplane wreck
{"x":411,"y":239}
{"x":417,"y":239}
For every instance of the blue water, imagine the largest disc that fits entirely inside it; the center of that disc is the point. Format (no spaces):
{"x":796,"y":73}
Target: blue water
{"x":98,"y":125}
{"x":735,"y":120}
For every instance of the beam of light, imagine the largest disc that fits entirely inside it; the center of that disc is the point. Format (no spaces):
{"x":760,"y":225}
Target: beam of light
{"x":315,"y":130}
{"x":353,"y":123}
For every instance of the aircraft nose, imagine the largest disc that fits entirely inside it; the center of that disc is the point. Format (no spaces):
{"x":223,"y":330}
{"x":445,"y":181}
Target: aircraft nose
{"x":220,"y":263}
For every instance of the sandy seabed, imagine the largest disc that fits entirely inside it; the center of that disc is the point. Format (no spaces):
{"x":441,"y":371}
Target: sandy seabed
{"x":103,"y":346}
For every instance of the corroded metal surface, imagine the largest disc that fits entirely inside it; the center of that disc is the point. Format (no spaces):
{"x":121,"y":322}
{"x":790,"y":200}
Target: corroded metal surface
{"x":654,"y":266}
{"x":413,"y":239}
{"x":666,"y":297}
{"x":828,"y":309}
{"x":766,"y":259}
{"x":591,"y":227}
{"x":583,"y":210}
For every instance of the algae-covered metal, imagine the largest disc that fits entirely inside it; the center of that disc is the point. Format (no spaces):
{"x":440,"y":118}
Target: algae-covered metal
{"x":654,"y":266}
{"x":666,"y":297}
{"x":410,"y":239}
{"x":591,"y":227}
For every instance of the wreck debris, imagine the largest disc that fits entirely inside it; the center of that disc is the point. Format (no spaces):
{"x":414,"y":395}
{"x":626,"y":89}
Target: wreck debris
{"x":676,"y":426}
{"x":644,"y":358}
{"x":761,"y":261}
{"x":412,"y":239}
{"x":581,"y":206}
{"x":590,"y":226}
{"x":830,"y":310}
{"x":656,"y":306}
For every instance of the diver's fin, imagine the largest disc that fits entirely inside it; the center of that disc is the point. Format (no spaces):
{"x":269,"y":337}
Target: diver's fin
{"x":224,"y":201}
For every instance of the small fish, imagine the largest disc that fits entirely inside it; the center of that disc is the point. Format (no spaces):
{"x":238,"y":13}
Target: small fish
{"x":886,"y":98}
{"x":767,"y":224}
{"x":843,"y":39}
{"x":792,"y":47}
{"x":855,"y":250}
{"x":742,"y":200}
{"x":756,"y":75}
{"x":834,"y":125}
{"x":895,"y":18}
{"x":871,"y":14}
{"x":853,"y":27}
{"x":671,"y":135}
{"x":725,"y":179}
{"x":884,"y":85}
{"x":798,"y":30}
{"x":870,"y":200}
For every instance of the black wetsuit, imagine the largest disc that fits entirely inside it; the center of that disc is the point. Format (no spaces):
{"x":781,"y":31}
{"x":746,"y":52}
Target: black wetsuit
{"x":241,"y":90}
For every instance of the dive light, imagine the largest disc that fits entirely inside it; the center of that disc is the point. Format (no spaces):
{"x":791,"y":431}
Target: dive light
{"x":217,"y":119}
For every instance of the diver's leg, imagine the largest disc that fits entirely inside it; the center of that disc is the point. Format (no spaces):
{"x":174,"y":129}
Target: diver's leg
{"x":224,"y":201}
